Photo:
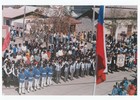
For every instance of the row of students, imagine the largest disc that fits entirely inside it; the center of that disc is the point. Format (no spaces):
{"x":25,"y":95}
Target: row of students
{"x":35,"y":76}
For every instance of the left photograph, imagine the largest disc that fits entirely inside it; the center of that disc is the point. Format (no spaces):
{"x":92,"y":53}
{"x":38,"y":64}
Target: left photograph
{"x":69,"y":50}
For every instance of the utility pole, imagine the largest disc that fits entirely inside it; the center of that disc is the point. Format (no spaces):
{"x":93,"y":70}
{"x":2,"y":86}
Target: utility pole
{"x":24,"y":23}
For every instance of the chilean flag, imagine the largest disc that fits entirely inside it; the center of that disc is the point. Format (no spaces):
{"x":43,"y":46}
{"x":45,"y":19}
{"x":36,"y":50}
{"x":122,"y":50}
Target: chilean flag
{"x":100,"y":49}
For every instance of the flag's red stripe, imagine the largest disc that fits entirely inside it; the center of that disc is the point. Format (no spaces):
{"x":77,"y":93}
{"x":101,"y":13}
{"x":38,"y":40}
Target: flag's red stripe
{"x":100,"y":52}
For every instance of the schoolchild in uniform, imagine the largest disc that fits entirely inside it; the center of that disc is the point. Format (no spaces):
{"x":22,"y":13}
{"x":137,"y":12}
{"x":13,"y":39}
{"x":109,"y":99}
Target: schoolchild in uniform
{"x":30,"y":80}
{"x":37,"y":78}
{"x":50,"y":74}
{"x":8,"y":71}
{"x":88,"y":66}
{"x":66,"y":71}
{"x":26,"y":74}
{"x":15,"y":75}
{"x":82,"y":68}
{"x":85,"y":66}
{"x":22,"y":82}
{"x":77,"y":68}
{"x":93,"y":66}
{"x":58,"y":71}
{"x":72,"y":69}
{"x":44,"y":76}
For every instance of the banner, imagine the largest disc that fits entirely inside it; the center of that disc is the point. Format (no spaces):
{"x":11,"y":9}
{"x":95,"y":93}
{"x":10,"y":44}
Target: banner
{"x":120,"y":60}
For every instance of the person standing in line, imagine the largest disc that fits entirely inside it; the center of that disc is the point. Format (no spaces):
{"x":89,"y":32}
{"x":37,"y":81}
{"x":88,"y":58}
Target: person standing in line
{"x":92,"y":62}
{"x":22,"y":82}
{"x":58,"y":72}
{"x":26,"y":71}
{"x":77,"y":68}
{"x":88,"y":66}
{"x":72,"y":69}
{"x":37,"y":78}
{"x":15,"y":75}
{"x":44,"y":76}
{"x":30,"y":80}
{"x":50,"y":74}
{"x":7,"y":70}
{"x":82,"y":68}
{"x":66,"y":71}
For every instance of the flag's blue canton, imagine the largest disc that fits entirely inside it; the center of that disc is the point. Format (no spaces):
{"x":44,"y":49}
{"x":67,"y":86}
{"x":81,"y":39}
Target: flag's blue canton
{"x":100,"y":17}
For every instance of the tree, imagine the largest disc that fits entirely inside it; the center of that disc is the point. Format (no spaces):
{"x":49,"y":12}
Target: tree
{"x":58,"y":21}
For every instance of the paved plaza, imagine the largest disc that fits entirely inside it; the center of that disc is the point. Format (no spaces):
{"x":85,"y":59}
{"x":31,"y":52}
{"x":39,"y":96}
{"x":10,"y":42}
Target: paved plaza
{"x":81,"y":86}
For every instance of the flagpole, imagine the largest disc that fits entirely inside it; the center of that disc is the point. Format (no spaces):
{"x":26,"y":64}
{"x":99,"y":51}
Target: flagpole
{"x":94,"y":89}
{"x":94,"y":81}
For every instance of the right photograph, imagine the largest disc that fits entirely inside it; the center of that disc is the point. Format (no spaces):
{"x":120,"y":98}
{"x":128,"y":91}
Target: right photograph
{"x":69,"y":50}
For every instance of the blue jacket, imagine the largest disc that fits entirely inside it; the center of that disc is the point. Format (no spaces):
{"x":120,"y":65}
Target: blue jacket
{"x":26,"y":72}
{"x":21,"y":77}
{"x":37,"y":73}
{"x":49,"y":71}
{"x":125,"y":84}
{"x":41,"y":68}
{"x":14,"y":50}
{"x":34,"y":68}
{"x":115,"y":91}
{"x":44,"y":72}
{"x":119,"y":91}
{"x":30,"y":76}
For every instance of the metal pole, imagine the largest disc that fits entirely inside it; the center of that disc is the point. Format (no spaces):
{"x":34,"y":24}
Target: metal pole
{"x":94,"y":81}
{"x":93,"y":20}
{"x":24,"y":23}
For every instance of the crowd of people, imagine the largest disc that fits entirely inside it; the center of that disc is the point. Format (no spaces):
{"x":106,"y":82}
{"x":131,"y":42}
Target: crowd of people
{"x":126,"y":46}
{"x":125,"y":87}
{"x":32,"y":66}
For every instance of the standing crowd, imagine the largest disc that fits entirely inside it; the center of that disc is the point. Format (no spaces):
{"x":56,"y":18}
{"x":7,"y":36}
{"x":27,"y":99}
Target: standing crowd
{"x":32,"y":66}
{"x":126,"y":46}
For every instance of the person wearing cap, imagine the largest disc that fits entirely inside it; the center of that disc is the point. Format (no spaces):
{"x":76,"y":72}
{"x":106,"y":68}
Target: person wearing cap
{"x":88,"y":66}
{"x":22,"y":82}
{"x":15,"y":73}
{"x":30,"y":80}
